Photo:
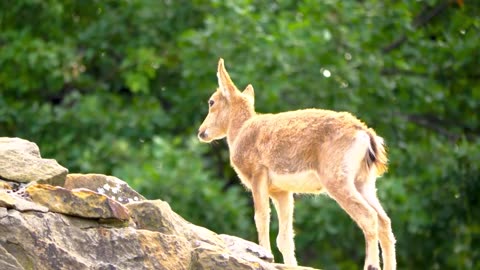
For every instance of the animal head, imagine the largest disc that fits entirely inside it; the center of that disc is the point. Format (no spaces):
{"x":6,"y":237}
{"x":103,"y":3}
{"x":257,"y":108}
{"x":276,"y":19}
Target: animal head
{"x":223,"y":105}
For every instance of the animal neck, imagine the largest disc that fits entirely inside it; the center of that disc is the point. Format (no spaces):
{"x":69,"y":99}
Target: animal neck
{"x":238,"y":116}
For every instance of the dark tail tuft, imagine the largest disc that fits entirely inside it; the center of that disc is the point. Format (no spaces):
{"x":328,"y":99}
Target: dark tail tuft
{"x":377,"y":155}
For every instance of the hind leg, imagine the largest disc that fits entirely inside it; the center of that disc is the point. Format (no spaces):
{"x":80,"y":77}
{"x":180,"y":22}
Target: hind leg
{"x":387,"y":239}
{"x":347,"y":196}
{"x":338,"y":178}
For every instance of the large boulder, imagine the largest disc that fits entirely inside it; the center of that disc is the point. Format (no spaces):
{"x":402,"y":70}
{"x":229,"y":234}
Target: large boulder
{"x":35,"y":240}
{"x":49,"y":220}
{"x":213,"y":251}
{"x":20,"y":161}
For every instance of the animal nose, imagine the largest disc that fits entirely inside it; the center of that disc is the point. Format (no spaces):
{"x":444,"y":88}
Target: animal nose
{"x":201,"y":134}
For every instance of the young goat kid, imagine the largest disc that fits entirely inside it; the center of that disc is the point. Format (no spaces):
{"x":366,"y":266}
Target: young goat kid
{"x":304,"y":151}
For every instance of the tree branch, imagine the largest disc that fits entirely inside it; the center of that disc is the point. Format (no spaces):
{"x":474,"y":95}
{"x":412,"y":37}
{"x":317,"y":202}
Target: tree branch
{"x":438,"y":125}
{"x":425,"y":16}
{"x":436,"y":74}
{"x":397,"y":71}
{"x":434,"y":124}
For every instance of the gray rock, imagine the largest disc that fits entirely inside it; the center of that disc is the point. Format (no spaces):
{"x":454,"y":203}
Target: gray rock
{"x":53,"y":241}
{"x":8,"y":261}
{"x":20,"y":161}
{"x":212,"y":251}
{"x":244,"y":248}
{"x":160,"y":239}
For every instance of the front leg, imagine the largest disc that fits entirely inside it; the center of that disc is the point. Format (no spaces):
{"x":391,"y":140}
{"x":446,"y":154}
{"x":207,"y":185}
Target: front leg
{"x":262,"y":207}
{"x":283,"y":202}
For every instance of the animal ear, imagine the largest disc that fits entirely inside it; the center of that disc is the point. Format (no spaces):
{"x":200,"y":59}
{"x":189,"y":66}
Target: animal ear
{"x":225,"y":84}
{"x":250,"y":93}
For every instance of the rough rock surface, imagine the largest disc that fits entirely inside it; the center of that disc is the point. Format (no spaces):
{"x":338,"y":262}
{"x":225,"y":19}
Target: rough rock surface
{"x":35,"y":240}
{"x":104,"y":184}
{"x":78,"y":202}
{"x":12,"y":200}
{"x":20,"y":161}
{"x":53,"y":241}
{"x":213,"y":251}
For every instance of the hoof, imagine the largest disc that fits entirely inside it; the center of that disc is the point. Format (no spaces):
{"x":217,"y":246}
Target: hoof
{"x":370,"y":267}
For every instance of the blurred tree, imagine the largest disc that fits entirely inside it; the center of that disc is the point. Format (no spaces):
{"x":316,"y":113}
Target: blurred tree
{"x":120,"y":87}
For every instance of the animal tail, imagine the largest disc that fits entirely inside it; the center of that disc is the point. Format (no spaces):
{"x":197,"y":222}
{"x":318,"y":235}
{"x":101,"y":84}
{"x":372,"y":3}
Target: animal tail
{"x":377,"y":154}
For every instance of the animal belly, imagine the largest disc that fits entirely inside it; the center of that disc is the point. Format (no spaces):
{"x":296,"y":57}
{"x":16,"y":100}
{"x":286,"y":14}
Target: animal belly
{"x":299,"y":182}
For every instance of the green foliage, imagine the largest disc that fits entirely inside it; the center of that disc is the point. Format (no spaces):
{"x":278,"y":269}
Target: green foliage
{"x":120,"y":87}
{"x":448,"y":204}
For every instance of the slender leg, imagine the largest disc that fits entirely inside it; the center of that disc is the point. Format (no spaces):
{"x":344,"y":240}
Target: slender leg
{"x":283,"y":202}
{"x":261,"y":201}
{"x":347,"y":196}
{"x":387,"y":239}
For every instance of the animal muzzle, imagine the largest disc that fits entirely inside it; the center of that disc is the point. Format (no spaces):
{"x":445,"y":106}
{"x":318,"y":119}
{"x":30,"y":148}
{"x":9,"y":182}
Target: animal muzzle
{"x":202,"y":135}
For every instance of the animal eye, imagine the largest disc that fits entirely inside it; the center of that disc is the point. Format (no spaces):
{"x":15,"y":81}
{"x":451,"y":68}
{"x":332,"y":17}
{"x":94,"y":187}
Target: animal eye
{"x":211,"y":102}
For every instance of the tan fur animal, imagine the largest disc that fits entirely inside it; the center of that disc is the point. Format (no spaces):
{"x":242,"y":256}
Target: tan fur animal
{"x":304,"y":151}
